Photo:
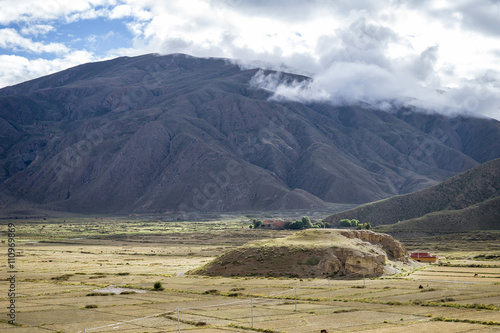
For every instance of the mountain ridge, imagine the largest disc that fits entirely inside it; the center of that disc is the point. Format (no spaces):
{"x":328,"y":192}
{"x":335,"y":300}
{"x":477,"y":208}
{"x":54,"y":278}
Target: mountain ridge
{"x":471,"y":193}
{"x":163,"y":133}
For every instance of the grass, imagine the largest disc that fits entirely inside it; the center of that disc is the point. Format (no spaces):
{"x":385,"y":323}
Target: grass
{"x":64,"y":277}
{"x":99,"y":294}
{"x":212,"y":292}
{"x":463,"y":306}
{"x":58,"y":275}
{"x":265,"y":330}
{"x":469,"y":321}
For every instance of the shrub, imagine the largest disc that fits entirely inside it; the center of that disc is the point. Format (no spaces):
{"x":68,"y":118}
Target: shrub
{"x":91,"y":306}
{"x":212,"y":292}
{"x":158,"y":286}
{"x":63,"y":277}
{"x":313,"y":261}
{"x":99,"y":294}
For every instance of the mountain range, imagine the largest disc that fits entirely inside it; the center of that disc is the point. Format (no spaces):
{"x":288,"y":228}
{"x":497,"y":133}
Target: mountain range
{"x":156,"y":134}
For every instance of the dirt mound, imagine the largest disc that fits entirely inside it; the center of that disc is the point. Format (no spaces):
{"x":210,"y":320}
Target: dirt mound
{"x":313,"y":253}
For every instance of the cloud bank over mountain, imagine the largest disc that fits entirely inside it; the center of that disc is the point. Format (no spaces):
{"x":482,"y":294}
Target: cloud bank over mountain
{"x":441,"y":56}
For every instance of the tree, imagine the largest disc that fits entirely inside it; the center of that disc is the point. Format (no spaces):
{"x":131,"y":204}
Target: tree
{"x":368,"y":226}
{"x":257,"y":223}
{"x":306,"y":222}
{"x":345,"y":223}
{"x":354,"y":223}
{"x":297,"y":225}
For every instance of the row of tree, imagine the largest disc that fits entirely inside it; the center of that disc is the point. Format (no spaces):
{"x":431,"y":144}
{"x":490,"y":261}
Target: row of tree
{"x":305,"y":223}
{"x":354,"y":223}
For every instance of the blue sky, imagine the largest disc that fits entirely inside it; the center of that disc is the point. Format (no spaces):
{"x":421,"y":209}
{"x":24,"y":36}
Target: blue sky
{"x":98,"y":36}
{"x":436,"y":54}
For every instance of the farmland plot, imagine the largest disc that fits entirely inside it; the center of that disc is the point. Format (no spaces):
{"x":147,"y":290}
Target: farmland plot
{"x":65,"y":281}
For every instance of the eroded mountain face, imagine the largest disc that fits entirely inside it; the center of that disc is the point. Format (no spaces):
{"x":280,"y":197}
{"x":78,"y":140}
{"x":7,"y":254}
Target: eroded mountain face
{"x":168,"y":133}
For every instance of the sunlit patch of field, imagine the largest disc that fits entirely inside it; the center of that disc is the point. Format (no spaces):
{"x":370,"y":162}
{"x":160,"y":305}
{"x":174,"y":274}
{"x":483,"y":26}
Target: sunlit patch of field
{"x":61,"y":264}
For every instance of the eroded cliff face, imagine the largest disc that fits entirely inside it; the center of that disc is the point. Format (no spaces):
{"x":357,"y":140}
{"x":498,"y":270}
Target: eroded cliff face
{"x":332,"y":253}
{"x":394,"y":249}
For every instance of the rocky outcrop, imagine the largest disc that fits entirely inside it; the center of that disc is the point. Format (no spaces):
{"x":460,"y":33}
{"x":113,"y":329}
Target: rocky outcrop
{"x":393,"y":248}
{"x":312,"y":253}
{"x":348,"y":261}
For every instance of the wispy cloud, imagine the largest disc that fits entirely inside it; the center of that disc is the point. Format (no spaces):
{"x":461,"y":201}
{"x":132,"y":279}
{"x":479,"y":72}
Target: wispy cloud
{"x":19,"y":69}
{"x":37,"y":29}
{"x":11,"y":39}
{"x":432,"y":54}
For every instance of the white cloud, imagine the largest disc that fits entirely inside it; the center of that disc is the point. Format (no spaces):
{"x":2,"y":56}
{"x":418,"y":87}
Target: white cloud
{"x":354,"y":50}
{"x":296,"y":90}
{"x":122,"y":11}
{"x":38,"y":10}
{"x":15,"y":69}
{"x":37,"y":29}
{"x":11,"y":39}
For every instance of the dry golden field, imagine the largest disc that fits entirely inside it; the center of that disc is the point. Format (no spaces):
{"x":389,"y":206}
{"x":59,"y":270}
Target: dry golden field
{"x":64,"y":265}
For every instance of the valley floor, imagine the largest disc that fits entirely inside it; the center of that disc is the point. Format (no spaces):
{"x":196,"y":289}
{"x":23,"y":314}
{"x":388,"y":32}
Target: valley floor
{"x":60,"y":265}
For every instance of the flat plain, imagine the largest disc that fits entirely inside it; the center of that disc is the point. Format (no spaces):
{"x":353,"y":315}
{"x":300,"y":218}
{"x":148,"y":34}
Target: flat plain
{"x":97,"y":275}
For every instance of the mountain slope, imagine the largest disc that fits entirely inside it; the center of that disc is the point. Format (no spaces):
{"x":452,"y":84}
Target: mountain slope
{"x":482,"y":216}
{"x":166,"y":133}
{"x":465,"y":201}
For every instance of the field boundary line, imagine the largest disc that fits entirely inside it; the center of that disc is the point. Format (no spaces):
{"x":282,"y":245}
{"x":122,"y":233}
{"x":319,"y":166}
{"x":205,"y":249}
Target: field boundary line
{"x":249,"y":300}
{"x":184,"y":309}
{"x":128,"y":321}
